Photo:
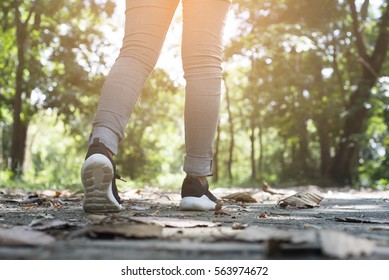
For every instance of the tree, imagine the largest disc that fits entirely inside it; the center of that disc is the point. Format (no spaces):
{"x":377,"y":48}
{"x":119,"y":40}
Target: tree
{"x":322,"y":59}
{"x":47,"y":49}
{"x":345,"y":162}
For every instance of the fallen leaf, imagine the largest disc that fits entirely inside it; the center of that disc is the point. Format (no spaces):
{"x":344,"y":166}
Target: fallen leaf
{"x":301,"y":200}
{"x":218,"y":206}
{"x":262,"y":234}
{"x":9,"y":200}
{"x":239,"y":226}
{"x":35,"y":200}
{"x":268,"y":189}
{"x":263,"y":215}
{"x":258,"y":234}
{"x":379,"y":228}
{"x":56,"y":224}
{"x":222,"y":213}
{"x":305,"y":237}
{"x":174,"y":222}
{"x":219,"y":209}
{"x":20,"y":236}
{"x":340,"y":245}
{"x":241,"y":197}
{"x":121,"y":230}
{"x":310,"y":226}
{"x":361,"y":220}
{"x":51,"y":193}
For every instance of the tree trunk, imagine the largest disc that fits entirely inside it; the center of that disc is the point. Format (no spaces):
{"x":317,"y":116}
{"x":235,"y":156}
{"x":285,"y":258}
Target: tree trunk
{"x":231,"y":130}
{"x":303,"y":151}
{"x":1,"y":148}
{"x":252,"y":154}
{"x":19,"y":127}
{"x":345,"y":161}
{"x":260,"y":140}
{"x":324,"y":141}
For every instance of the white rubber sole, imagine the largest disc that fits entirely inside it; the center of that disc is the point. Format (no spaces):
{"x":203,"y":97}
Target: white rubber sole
{"x":191,"y":203}
{"x":96,"y":175}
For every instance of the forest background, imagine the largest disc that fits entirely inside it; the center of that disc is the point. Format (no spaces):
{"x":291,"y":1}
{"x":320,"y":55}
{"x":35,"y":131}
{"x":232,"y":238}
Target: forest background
{"x":305,"y":95}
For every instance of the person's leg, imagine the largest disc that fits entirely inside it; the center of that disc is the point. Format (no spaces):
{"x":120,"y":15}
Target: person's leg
{"x":202,"y":51}
{"x":146,"y":26}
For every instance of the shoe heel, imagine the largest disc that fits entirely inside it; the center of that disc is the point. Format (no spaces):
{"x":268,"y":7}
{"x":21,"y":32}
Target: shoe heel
{"x":97,"y":174}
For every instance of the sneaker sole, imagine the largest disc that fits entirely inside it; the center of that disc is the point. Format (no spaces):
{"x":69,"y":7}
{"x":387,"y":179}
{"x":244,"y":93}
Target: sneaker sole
{"x":96,"y":175}
{"x":191,"y":203}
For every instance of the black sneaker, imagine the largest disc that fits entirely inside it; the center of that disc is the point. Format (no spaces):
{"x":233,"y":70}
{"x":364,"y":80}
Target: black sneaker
{"x":98,"y":174}
{"x":196,"y":196}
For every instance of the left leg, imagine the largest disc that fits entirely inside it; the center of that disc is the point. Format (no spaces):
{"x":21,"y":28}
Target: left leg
{"x":202,"y":50}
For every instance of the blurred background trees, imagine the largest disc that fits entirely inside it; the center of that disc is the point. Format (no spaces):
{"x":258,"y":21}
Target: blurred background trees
{"x":305,"y":95}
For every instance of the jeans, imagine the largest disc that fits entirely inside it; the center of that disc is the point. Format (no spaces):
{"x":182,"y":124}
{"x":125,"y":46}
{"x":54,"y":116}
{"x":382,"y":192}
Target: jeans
{"x":147,"y":22}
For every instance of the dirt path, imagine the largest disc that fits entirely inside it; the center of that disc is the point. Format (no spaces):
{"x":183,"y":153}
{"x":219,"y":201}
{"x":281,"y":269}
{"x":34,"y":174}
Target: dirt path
{"x":51,"y":225}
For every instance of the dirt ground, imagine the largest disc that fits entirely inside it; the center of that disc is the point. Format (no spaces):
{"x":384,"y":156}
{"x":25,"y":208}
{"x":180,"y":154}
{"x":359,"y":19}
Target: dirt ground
{"x":250,"y":224}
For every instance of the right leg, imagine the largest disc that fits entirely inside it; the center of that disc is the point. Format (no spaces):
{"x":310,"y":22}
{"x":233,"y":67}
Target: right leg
{"x":146,"y":26}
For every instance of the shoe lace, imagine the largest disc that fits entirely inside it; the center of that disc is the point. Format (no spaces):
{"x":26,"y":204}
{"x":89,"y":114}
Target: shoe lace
{"x":117,"y":176}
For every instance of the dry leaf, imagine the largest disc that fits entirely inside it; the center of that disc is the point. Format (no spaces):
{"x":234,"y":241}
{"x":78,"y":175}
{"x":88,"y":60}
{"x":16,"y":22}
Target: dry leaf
{"x":268,"y":189}
{"x":301,"y":200}
{"x":56,"y":224}
{"x":379,"y":228}
{"x":173,"y":222}
{"x":35,"y":200}
{"x":310,"y":226}
{"x":239,"y":226}
{"x":262,"y":234}
{"x":258,"y":234}
{"x":20,"y":236}
{"x":361,"y":221}
{"x":218,"y":206}
{"x":222,"y":213}
{"x":121,"y":230}
{"x":241,"y":197}
{"x":341,"y":245}
{"x":9,"y":200}
{"x":51,"y":193}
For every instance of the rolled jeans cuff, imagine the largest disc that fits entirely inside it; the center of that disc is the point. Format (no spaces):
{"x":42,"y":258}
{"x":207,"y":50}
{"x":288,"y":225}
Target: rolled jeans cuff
{"x":107,"y":137}
{"x":198,"y":166}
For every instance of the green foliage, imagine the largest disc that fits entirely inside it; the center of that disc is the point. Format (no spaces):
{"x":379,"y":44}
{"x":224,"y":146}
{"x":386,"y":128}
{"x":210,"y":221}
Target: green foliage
{"x":53,"y":158}
{"x":47,"y":52}
{"x":302,"y":68}
{"x":290,"y":77}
